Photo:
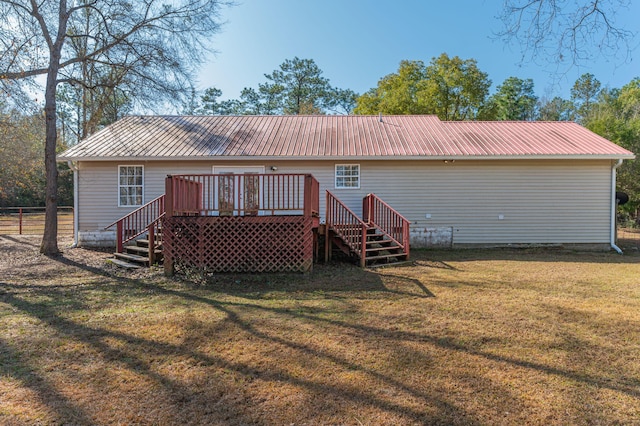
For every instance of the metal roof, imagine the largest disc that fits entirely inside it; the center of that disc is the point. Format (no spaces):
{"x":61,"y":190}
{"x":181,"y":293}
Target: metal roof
{"x":339,"y":137}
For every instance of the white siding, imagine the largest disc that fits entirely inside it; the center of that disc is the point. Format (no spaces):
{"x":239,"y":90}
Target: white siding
{"x":541,"y":201}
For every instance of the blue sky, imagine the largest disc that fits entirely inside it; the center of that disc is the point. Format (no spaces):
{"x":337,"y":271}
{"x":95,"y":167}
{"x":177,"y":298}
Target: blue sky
{"x":357,"y":42}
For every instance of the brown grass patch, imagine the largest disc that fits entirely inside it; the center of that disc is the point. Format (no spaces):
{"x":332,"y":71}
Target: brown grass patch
{"x":459,"y":337}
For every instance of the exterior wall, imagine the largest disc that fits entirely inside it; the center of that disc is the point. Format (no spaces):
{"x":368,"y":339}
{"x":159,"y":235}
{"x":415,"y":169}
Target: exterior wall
{"x":477,"y":202}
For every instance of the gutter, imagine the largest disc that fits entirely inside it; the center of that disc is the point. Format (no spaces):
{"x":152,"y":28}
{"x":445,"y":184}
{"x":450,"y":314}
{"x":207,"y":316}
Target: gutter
{"x":74,"y":166}
{"x":614,"y":205}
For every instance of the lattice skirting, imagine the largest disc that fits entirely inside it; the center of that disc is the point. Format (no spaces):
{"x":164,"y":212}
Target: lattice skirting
{"x":239,"y":244}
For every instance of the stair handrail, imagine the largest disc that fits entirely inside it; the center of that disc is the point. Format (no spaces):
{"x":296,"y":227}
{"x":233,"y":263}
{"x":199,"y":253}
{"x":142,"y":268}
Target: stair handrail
{"x":376,"y":212}
{"x":347,"y":225}
{"x":155,"y":237}
{"x":137,"y":222}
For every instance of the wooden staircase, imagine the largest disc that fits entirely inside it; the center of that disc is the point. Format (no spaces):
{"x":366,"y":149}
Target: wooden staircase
{"x":139,"y":236}
{"x":379,"y":249}
{"x":138,"y":254}
{"x":380,"y":237}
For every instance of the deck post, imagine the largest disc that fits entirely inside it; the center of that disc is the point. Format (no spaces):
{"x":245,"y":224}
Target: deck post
{"x":365,"y":208}
{"x":168,"y":196}
{"x":152,"y":244}
{"x":169,"y":269}
{"x":327,"y":229}
{"x":308,"y":197}
{"x":119,"y":236}
{"x":363,"y":248}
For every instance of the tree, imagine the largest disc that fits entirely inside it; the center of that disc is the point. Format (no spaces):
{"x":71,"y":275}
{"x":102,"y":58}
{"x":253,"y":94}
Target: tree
{"x":555,"y":109}
{"x":267,"y":100}
{"x":297,"y":87}
{"x":456,"y":89}
{"x":615,"y":116}
{"x":515,"y":100}
{"x":22,"y":174}
{"x":342,"y":101}
{"x":211,"y":105}
{"x":565,"y":30}
{"x":399,"y":93}
{"x":452,"y":88}
{"x":584,"y":94}
{"x":300,"y":87}
{"x":155,"y":44}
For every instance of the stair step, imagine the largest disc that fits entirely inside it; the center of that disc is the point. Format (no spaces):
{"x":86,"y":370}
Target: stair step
{"x":123,"y":264}
{"x":132,"y":257}
{"x":378,"y":249}
{"x":383,"y":243}
{"x":141,"y":250}
{"x":143,"y":242}
{"x":384,"y":256}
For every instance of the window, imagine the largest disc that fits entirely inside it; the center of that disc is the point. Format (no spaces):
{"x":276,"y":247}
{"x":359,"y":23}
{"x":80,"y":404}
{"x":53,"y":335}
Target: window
{"x":348,"y":176}
{"x":130,"y":186}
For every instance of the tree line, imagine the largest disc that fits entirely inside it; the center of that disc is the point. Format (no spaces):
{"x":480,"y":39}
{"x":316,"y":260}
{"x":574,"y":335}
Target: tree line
{"x":22,"y":174}
{"x":449,"y":87}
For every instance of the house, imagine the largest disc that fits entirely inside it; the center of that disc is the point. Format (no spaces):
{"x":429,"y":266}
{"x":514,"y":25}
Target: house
{"x":457,"y":183}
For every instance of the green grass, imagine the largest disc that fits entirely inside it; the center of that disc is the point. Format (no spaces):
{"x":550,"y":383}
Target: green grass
{"x":459,"y":337}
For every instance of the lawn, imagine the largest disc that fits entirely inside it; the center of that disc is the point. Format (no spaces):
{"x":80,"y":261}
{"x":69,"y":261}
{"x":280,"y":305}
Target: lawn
{"x":526,"y":336}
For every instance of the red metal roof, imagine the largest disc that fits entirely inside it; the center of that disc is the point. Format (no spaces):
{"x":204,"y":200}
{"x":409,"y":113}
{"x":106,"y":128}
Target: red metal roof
{"x":334,"y":136}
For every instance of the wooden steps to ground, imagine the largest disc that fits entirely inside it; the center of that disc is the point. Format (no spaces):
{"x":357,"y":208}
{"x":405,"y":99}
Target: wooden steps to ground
{"x":137,"y":256}
{"x":379,"y":250}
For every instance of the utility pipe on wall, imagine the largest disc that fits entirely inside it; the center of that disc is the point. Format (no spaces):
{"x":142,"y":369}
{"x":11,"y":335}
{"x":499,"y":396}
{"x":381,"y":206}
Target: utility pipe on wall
{"x":614,"y":204}
{"x":74,"y":166}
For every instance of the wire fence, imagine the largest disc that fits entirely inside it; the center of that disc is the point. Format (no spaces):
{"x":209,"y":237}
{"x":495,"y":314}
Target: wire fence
{"x":30,"y":220}
{"x":629,"y":238}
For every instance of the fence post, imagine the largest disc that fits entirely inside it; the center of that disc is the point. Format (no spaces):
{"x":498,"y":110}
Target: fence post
{"x":20,"y":221}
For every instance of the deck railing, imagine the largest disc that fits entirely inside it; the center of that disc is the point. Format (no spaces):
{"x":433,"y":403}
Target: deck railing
{"x":387,"y":220}
{"x":242,"y":195}
{"x":346,"y":225}
{"x":138,"y":222}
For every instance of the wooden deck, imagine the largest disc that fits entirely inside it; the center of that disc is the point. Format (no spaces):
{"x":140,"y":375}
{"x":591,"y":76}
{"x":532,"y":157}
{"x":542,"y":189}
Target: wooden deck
{"x":240,"y":222}
{"x":255,"y":223}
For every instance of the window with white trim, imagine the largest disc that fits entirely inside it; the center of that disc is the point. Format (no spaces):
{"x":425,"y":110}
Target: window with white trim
{"x":130,"y":186}
{"x":347,"y":176}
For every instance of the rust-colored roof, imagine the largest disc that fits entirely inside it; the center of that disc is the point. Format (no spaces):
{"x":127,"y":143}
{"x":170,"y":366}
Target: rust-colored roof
{"x":334,"y":136}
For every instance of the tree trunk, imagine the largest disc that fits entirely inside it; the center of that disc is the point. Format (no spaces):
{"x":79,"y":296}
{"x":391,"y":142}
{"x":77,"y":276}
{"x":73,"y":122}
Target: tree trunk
{"x":50,"y":238}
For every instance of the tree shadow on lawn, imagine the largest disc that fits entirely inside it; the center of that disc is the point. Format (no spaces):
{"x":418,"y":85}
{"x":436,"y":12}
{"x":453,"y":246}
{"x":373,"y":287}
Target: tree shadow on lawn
{"x":134,"y":352}
{"x":130,"y":354}
{"x":12,"y":365}
{"x":332,"y":278}
{"x":372,"y":284}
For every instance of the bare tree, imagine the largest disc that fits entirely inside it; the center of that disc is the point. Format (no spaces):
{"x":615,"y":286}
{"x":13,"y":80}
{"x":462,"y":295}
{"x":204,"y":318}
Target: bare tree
{"x":567,"y":30}
{"x":156,"y":44}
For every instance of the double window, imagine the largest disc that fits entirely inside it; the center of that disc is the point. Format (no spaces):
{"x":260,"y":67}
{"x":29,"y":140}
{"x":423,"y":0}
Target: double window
{"x":130,"y":186}
{"x":347,"y":176}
